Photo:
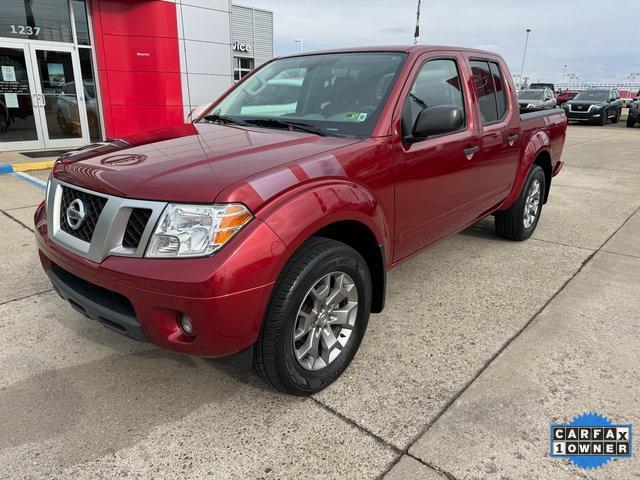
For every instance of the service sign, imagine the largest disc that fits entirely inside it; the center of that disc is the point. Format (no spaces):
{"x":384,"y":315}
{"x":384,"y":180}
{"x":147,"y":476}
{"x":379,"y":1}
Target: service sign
{"x":242,"y":47}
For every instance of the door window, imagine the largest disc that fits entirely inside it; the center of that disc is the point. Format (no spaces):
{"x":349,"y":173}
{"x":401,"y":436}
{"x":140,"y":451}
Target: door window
{"x":437,"y":83}
{"x":490,"y":91}
{"x":62,"y":116}
{"x":17,"y":120}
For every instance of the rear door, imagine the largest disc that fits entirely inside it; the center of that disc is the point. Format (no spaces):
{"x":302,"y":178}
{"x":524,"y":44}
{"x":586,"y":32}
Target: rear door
{"x":499,"y":125}
{"x":435,"y":178}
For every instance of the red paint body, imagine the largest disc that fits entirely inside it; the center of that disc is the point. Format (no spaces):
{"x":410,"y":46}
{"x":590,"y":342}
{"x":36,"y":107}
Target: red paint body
{"x":408,"y":196}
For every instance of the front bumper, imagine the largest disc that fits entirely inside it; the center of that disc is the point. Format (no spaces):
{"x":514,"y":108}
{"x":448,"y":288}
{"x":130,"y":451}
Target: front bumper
{"x":584,"y":116}
{"x":225,"y":295}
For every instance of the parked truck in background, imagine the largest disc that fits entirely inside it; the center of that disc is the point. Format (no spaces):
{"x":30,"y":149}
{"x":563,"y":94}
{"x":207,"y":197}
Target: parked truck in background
{"x":266,"y":227}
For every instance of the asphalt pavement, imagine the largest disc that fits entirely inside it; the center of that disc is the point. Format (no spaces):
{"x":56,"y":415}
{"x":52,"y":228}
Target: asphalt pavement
{"x":483,"y":344}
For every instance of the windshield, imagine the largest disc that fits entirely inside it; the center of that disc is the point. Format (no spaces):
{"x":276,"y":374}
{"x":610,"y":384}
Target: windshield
{"x":336,"y":94}
{"x":598,"y":96}
{"x":530,"y":94}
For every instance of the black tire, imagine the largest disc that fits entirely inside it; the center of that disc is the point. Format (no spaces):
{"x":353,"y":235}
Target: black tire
{"x":604,"y":117}
{"x":510,"y":223}
{"x":630,"y":122}
{"x":617,"y":116}
{"x":274,"y":357}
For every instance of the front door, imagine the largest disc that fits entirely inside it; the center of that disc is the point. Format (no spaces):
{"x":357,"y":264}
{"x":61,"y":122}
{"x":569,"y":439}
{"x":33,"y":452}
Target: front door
{"x":436,"y":176}
{"x":61,"y":96}
{"x":41,"y":99}
{"x":20,"y":126}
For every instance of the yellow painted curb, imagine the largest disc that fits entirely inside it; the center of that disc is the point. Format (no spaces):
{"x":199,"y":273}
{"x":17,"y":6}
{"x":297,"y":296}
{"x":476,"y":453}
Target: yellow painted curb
{"x":26,"y":167}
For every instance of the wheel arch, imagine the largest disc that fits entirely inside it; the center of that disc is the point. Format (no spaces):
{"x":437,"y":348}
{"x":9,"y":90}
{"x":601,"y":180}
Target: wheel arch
{"x":543,"y":160}
{"x":359,"y":237}
{"x":340,"y":210}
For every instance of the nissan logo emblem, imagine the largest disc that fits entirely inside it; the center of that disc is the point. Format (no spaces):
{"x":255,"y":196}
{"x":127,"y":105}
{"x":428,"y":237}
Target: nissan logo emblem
{"x":75,"y":214}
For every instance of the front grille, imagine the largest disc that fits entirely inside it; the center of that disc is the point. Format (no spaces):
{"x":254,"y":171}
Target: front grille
{"x":135,"y":227}
{"x":580,"y":108}
{"x":93,"y":206}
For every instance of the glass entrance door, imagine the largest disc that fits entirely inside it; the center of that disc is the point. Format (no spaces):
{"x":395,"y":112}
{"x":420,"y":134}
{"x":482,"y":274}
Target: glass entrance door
{"x":61,"y":96}
{"x":42,"y":97}
{"x":20,"y":126}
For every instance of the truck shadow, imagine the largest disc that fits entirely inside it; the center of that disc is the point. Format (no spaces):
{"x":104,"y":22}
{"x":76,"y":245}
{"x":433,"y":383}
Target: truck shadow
{"x":110,"y":404}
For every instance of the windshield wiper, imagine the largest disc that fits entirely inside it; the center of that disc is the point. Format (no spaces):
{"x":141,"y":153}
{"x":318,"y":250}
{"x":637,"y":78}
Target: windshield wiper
{"x":273,"y":122}
{"x":223,"y":119}
{"x":418,"y":100}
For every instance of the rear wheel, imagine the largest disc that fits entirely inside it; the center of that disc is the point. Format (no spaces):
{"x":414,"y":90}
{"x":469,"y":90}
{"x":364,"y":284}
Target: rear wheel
{"x":316,"y":319}
{"x":616,"y":116}
{"x":520,"y":221}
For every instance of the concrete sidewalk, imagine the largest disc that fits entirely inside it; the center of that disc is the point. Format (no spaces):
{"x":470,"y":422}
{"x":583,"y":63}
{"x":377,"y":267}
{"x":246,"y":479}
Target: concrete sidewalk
{"x":482,"y":345}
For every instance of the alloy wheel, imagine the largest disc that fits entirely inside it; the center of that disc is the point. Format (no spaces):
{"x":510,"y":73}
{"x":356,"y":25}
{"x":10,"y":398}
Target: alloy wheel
{"x":532,"y":204}
{"x":325,"y":321}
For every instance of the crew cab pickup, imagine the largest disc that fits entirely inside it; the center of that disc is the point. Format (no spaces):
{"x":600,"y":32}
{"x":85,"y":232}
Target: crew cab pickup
{"x":265,"y":228}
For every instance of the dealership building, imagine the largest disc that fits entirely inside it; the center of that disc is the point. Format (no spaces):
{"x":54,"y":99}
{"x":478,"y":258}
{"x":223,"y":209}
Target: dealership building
{"x":79,"y":71}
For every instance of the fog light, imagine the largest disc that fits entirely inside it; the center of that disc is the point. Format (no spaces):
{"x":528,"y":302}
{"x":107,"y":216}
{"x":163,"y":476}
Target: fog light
{"x":186,"y":326}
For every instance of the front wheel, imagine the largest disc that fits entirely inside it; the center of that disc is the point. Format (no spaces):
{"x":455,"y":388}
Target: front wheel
{"x":604,"y":117}
{"x":521,"y":219}
{"x":630,"y":122}
{"x":316,"y":319}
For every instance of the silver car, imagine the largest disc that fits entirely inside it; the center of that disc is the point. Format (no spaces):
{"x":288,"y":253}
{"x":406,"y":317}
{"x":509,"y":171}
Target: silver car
{"x":535,"y":100}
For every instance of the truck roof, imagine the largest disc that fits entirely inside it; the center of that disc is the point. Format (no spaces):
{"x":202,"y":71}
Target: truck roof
{"x":394,"y":48}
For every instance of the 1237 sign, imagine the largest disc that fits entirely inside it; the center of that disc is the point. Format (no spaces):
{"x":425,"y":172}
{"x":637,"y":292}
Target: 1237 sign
{"x":24,"y":30}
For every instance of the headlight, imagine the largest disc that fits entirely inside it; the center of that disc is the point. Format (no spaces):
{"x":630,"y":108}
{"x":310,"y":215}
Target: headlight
{"x":596,"y":107}
{"x":196,"y":230}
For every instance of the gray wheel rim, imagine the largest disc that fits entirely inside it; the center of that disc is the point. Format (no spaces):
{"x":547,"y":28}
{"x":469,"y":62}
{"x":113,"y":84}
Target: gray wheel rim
{"x":325,"y":321}
{"x":532,"y":204}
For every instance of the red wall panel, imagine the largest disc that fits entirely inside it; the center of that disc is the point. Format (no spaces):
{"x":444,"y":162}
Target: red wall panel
{"x":138,"y":65}
{"x":145,"y":88}
{"x":141,"y":54}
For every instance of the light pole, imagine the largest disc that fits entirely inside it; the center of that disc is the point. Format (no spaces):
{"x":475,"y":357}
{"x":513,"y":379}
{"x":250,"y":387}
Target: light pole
{"x":301,"y":42}
{"x":564,"y":72}
{"x":416,"y":35}
{"x":524,"y":53}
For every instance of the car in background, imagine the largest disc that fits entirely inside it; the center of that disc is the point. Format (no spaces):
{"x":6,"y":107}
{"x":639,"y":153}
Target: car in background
{"x":634,"y":113}
{"x":535,"y":100}
{"x":564,"y":96}
{"x":597,"y":106}
{"x":542,"y":86}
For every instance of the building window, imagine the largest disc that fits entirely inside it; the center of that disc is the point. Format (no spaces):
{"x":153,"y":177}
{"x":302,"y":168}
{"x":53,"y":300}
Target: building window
{"x":241,"y":67}
{"x":90,"y":94}
{"x":81,"y":22}
{"x":36,"y":20}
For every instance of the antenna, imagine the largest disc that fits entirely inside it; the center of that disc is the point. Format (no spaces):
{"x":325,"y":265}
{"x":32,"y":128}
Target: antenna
{"x":416,"y":35}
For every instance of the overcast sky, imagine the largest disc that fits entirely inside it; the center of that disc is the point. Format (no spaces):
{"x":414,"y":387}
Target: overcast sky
{"x":595,"y":39}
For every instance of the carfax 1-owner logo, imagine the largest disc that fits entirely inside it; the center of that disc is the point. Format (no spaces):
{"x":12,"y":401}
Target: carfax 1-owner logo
{"x":591,"y":440}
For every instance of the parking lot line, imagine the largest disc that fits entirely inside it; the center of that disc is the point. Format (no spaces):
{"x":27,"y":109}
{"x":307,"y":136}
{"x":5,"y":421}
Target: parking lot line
{"x":25,"y":177}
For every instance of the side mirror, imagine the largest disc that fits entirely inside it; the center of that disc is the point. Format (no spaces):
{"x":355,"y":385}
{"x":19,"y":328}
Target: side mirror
{"x":436,"y":120}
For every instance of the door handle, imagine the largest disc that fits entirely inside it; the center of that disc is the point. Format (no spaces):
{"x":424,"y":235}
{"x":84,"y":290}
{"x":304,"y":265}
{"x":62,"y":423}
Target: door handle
{"x":44,"y":100}
{"x":512,"y":139}
{"x":469,"y":152}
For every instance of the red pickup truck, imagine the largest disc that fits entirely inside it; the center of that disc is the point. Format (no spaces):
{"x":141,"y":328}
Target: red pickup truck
{"x":265,"y":228}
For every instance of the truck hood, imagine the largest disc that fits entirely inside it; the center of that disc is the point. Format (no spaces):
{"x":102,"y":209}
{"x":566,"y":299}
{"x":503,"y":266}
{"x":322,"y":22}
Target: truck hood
{"x":188,"y":163}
